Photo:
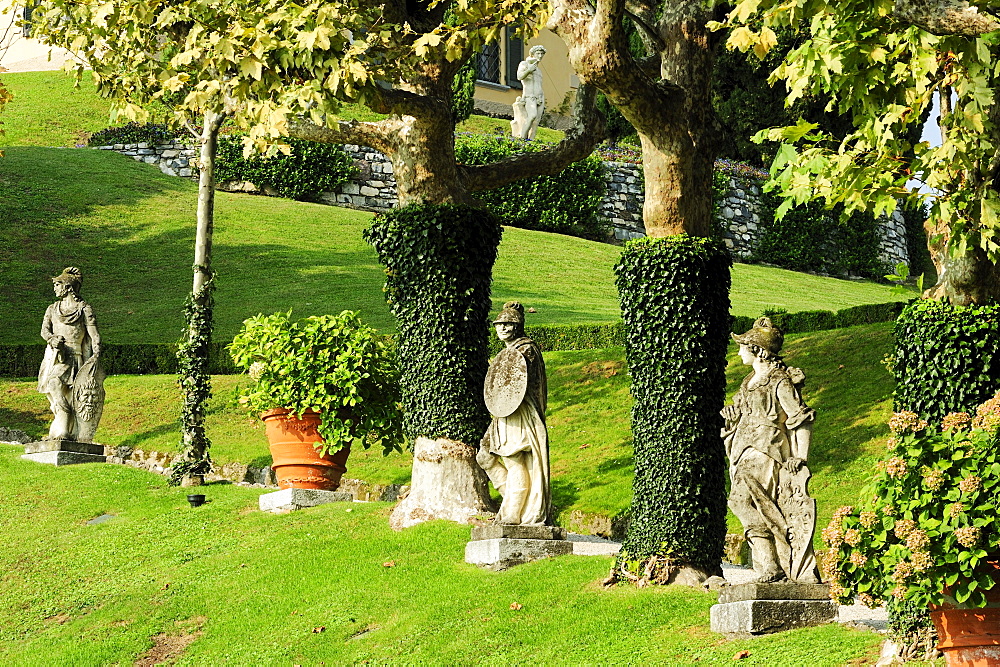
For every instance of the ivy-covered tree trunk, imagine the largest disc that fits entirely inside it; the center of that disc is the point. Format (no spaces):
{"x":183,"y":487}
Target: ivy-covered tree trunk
{"x":678,"y":511}
{"x":675,"y":303}
{"x":439,"y":264}
{"x":192,"y":351}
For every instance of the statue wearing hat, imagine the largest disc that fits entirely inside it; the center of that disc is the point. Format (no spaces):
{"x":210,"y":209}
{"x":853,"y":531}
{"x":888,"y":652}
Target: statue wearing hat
{"x":767,"y":432}
{"x":515,"y":450}
{"x":71,"y":375}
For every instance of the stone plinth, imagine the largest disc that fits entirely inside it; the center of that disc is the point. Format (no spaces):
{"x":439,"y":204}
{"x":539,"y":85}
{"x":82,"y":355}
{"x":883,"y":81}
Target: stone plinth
{"x":764,"y":608}
{"x":63,"y":452}
{"x":288,"y":500}
{"x":499,"y":547}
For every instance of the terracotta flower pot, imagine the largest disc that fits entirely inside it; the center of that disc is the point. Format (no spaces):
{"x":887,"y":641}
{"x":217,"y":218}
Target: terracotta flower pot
{"x":296,"y":463}
{"x":971,"y":637}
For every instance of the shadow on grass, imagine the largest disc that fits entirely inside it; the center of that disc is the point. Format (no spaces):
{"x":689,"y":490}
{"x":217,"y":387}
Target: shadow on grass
{"x":65,"y":207}
{"x":135,"y":441}
{"x":34,"y":424}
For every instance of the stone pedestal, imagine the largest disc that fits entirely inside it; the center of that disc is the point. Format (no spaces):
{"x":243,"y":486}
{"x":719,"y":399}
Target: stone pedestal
{"x":763,"y":608}
{"x":499,"y":547}
{"x":63,"y":452}
{"x":288,"y":500}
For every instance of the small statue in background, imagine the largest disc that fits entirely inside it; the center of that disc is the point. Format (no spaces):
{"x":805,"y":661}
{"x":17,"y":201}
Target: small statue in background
{"x":530,"y":105}
{"x":71,"y":375}
{"x":515,"y":450}
{"x":767,"y":432}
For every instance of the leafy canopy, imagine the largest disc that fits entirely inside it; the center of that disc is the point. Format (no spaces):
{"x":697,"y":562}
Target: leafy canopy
{"x":272,"y":60}
{"x":873,"y":62}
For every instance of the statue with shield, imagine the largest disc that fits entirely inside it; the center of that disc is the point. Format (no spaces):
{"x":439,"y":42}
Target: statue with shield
{"x":515,"y":450}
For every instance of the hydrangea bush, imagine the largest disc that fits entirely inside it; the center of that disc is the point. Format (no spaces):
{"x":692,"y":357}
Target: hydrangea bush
{"x":928,"y":529}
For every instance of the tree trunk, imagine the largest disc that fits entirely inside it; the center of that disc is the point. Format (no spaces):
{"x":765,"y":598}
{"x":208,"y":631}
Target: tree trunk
{"x":667,"y":98}
{"x":424,"y":162}
{"x":447,"y":483}
{"x":966,"y":280}
{"x":192,"y":352}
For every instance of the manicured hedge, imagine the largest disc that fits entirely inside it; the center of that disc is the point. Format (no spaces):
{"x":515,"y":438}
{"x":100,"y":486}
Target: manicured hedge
{"x":947,"y":358}
{"x":150,"y":359}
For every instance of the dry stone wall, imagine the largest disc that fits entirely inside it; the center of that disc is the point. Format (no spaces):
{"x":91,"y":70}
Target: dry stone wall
{"x":374,"y":189}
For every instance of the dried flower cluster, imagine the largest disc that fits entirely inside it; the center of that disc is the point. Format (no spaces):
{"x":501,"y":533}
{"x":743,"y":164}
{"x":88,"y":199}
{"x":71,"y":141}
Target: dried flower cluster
{"x":906,"y":422}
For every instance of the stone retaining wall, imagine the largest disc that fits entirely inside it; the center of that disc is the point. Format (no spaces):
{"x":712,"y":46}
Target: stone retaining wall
{"x":374,"y":189}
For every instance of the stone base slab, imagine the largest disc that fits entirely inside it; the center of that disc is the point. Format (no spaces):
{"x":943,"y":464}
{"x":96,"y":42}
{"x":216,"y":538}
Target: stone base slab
{"x":40,"y":446}
{"x":757,"y":617}
{"x":782,"y":590}
{"x":502,"y":553}
{"x":513,"y":531}
{"x":288,"y":500}
{"x":59,"y":458}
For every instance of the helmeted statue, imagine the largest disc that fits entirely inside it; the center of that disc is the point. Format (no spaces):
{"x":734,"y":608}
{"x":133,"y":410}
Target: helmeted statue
{"x":530,"y":104}
{"x":515,"y":450}
{"x":71,"y":375}
{"x":767,"y":433}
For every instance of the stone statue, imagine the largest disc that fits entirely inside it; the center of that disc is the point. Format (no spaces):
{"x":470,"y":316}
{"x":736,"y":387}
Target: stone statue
{"x":71,"y":375}
{"x":530,"y":105}
{"x":515,"y":450}
{"x":767,"y":432}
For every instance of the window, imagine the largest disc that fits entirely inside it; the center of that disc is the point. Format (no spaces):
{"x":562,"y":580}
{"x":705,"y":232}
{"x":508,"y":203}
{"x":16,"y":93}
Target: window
{"x":499,"y":65}
{"x":488,"y":63}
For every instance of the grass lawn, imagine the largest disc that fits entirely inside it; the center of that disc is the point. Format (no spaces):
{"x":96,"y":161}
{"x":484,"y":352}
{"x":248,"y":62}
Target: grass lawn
{"x":131,"y":230}
{"x":49,"y":110}
{"x":588,"y":419}
{"x":225,"y":583}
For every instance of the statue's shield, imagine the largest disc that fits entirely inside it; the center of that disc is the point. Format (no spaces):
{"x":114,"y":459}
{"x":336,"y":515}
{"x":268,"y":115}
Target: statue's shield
{"x":506,"y":383}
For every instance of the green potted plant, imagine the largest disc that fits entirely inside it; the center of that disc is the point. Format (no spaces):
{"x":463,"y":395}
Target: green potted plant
{"x":928,"y":529}
{"x":320,"y":383}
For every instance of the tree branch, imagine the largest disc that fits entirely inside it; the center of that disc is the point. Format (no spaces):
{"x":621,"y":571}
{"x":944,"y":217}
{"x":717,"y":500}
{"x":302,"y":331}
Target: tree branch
{"x":378,"y":135}
{"x":578,"y":143}
{"x":945,"y":17}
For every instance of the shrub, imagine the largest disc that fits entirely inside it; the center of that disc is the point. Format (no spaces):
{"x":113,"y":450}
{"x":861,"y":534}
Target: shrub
{"x":439,"y":266}
{"x":675,"y":304}
{"x":331,"y":364}
{"x":947,"y":357}
{"x":133,"y":133}
{"x":567,"y":203}
{"x":929,"y":518}
{"x":310,"y":168}
{"x":811,"y":238}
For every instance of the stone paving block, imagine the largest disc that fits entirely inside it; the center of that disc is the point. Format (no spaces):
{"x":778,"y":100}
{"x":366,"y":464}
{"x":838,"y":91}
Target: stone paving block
{"x":757,"y":617}
{"x":503,"y":553}
{"x":288,"y":500}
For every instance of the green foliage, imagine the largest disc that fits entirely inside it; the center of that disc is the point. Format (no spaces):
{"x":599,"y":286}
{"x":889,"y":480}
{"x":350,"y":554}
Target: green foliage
{"x":746,"y":102}
{"x":928,"y":522}
{"x":463,"y":93}
{"x":439,"y":265}
{"x":195,"y":382}
{"x":675,"y":304}
{"x":914,"y":216}
{"x":309,"y":169}
{"x":811,"y":238}
{"x":947,"y":357}
{"x":133,"y":133}
{"x":854,"y":58}
{"x":567,"y":203}
{"x":331,"y":364}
